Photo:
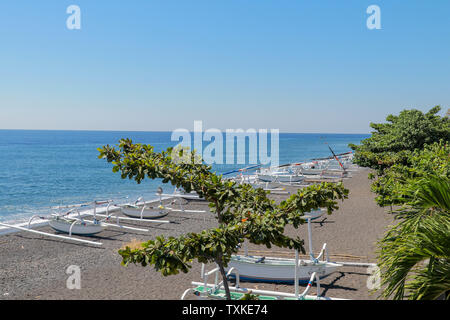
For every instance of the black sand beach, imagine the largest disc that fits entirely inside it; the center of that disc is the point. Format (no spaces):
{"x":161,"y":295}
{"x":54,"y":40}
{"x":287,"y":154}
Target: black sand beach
{"x":34,"y":267}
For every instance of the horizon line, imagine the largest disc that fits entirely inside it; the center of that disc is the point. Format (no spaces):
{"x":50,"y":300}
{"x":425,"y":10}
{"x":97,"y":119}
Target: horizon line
{"x":163,"y":131}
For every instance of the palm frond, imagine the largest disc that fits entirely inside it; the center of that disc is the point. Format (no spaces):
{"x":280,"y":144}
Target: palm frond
{"x":414,"y":255}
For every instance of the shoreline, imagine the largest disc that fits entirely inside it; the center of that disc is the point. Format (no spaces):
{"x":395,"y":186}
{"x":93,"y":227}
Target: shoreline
{"x":34,"y":267}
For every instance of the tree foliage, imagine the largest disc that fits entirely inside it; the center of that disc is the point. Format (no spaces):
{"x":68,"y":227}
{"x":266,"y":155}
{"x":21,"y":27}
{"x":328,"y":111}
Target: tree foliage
{"x":393,"y":186}
{"x":243,"y":212}
{"x":411,"y":154}
{"x":392,"y":142}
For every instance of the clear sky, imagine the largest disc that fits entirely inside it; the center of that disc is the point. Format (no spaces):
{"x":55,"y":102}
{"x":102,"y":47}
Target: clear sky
{"x":299,"y":66}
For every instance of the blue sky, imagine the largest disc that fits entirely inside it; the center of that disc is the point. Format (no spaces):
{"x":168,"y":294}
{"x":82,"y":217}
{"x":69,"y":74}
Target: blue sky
{"x":298,"y":66}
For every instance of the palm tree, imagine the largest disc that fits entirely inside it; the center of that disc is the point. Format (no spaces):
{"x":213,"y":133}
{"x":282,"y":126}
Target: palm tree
{"x":414,"y":255}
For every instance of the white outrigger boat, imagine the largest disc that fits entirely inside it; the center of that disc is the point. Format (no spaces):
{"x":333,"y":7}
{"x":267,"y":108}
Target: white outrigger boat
{"x":149,"y":210}
{"x":79,"y":225}
{"x":253,"y":180}
{"x":179,"y":193}
{"x":72,"y":222}
{"x":216,"y":291}
{"x":281,"y":270}
{"x":337,"y":165}
{"x":279,"y":176}
{"x":313,"y":168}
{"x":321,"y":170}
{"x":76,"y":226}
{"x":142,"y":210}
{"x":294,"y":173}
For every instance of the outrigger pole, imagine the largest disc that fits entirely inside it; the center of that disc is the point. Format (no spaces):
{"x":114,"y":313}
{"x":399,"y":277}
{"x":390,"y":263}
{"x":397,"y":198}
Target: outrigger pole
{"x":50,"y":234}
{"x":132,"y":219}
{"x":108,"y":216}
{"x":344,"y":263}
{"x":241,"y":170}
{"x":337,"y":159}
{"x":176,"y":196}
{"x":339,"y":154}
{"x":289,"y":164}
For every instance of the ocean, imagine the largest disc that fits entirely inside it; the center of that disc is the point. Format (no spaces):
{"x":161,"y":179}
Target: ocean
{"x":41,"y":169}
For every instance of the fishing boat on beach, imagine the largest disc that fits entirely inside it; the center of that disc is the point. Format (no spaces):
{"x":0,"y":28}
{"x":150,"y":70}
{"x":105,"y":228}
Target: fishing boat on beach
{"x":181,"y":194}
{"x":280,"y":175}
{"x":216,"y":290}
{"x":72,"y":222}
{"x":295,"y":173}
{"x":320,"y":168}
{"x":77,"y":226}
{"x":149,"y":210}
{"x":69,"y":220}
{"x":281,"y":270}
{"x":142,"y":210}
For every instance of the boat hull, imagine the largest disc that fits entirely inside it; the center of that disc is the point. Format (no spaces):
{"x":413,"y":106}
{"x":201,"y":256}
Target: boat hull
{"x":148,"y":213}
{"x":311,"y":171}
{"x":79,"y":228}
{"x":280,"y":178}
{"x":278,"y":270}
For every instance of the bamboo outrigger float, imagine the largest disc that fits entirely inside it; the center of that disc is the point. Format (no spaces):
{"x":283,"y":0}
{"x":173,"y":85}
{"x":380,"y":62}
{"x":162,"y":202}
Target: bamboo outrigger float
{"x":50,"y":234}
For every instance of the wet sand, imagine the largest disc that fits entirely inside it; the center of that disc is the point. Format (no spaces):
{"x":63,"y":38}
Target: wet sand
{"x":34,"y":266}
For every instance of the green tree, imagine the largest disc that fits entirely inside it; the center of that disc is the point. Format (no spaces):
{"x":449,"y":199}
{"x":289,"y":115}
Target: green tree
{"x":410,"y":154}
{"x":242,"y":212}
{"x":393,"y":142}
{"x":392,"y":186}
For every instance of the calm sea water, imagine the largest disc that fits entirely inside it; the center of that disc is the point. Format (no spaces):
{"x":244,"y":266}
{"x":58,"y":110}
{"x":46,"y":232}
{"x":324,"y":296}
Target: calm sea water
{"x":40,"y":169}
